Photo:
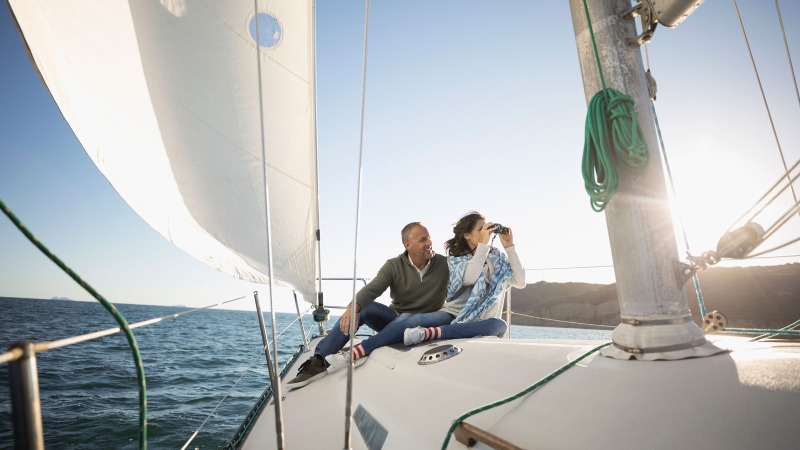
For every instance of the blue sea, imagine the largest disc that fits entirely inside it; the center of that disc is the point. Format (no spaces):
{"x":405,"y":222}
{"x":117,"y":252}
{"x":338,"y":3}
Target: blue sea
{"x":89,"y":390}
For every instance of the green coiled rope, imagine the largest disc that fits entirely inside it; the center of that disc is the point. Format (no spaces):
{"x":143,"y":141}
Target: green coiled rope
{"x":123,"y":324}
{"x":612,"y":129}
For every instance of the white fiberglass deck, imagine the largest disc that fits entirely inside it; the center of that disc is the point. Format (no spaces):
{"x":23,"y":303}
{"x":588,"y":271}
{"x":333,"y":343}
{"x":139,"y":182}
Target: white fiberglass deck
{"x":747,"y":398}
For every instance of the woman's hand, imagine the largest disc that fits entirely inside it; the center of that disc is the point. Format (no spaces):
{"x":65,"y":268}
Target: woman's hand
{"x":486,"y":232}
{"x":507,"y":239}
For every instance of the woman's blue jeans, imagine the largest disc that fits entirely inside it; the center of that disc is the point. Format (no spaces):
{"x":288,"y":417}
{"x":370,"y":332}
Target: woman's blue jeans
{"x":391,"y":326}
{"x":393,"y":333}
{"x":486,"y":327}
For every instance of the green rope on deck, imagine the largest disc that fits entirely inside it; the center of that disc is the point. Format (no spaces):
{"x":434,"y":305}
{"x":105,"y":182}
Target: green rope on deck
{"x":531,"y":388}
{"x":123,"y":324}
{"x":612,"y":129}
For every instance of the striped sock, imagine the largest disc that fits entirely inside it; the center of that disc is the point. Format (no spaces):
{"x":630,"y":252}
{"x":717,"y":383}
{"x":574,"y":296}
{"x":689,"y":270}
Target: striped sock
{"x":433,"y":333}
{"x":358,"y":352}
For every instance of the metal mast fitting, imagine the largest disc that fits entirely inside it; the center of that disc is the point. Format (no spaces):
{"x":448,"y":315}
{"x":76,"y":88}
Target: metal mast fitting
{"x":669,"y":13}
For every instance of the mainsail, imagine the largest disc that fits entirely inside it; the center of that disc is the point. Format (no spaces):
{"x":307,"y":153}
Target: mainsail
{"x":165,"y":98}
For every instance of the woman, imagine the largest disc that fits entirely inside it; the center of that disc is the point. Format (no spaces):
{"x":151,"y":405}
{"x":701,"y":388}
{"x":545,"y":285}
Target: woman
{"x":479,"y":275}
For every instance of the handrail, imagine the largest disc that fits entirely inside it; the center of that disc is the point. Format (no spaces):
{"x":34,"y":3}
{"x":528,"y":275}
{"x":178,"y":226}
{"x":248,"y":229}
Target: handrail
{"x":13,"y":354}
{"x":363,"y":280}
{"x":244,"y":372}
{"x":137,"y":357}
{"x":39,"y":347}
{"x":23,"y":380}
{"x":16,"y":353}
{"x":300,"y":318}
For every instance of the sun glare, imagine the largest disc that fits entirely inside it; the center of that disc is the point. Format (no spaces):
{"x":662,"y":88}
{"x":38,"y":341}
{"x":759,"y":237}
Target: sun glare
{"x":709,"y":202}
{"x":709,"y":198}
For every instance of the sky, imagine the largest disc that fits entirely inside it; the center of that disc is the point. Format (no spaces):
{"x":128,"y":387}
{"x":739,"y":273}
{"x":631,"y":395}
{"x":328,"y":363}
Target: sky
{"x":469,"y":106}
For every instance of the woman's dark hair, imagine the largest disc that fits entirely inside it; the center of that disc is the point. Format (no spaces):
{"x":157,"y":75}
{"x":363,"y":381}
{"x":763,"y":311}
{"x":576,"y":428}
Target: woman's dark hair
{"x":458,"y":246}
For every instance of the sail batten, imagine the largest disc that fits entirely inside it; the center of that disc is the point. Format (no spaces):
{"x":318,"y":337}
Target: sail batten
{"x":163,"y":96}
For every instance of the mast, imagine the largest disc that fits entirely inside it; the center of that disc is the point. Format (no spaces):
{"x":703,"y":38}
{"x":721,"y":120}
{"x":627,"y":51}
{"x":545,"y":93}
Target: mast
{"x":656,"y":322}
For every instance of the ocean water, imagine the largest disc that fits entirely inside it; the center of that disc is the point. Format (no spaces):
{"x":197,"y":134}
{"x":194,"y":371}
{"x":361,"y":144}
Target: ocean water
{"x":89,"y":391}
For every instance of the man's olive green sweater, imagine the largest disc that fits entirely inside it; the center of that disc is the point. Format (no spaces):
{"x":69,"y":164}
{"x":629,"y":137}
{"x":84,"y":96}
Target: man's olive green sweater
{"x":409,"y":294}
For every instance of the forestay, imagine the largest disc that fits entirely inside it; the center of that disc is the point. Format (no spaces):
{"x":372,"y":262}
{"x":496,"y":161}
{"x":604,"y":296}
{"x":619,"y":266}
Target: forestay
{"x":164,"y":97}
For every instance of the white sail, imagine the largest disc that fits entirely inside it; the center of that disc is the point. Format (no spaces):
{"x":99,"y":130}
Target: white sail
{"x":164,"y":97}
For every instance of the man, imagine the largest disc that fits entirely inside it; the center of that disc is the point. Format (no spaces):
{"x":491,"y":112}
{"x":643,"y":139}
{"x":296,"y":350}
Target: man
{"x":417,"y":282}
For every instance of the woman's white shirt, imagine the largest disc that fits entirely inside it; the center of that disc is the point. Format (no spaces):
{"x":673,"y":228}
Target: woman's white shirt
{"x":473,"y":271}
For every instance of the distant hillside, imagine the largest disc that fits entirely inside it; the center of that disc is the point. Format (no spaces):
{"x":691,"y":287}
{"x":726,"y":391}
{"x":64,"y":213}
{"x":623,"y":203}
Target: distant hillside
{"x":753,"y":297}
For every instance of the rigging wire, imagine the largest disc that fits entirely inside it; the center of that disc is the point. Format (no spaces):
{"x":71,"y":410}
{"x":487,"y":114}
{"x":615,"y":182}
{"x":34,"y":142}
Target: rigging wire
{"x":766,"y":194}
{"x":137,"y":357}
{"x":664,"y":152}
{"x":791,"y":326}
{"x":313,"y":106}
{"x":611,"y":266}
{"x":787,"y":215}
{"x":781,"y":221}
{"x":539,"y":269}
{"x":764,"y":97}
{"x":224,"y":397}
{"x":652,"y":87}
{"x":273,"y":366}
{"x":762,"y":203}
{"x":562,"y":321}
{"x":244,"y":372}
{"x":760,"y":331}
{"x":348,"y":410}
{"x":776,"y":248}
{"x":788,"y":53}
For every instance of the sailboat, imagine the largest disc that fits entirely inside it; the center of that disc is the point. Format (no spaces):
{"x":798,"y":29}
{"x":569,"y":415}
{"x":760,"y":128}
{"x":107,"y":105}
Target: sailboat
{"x":231,"y":179}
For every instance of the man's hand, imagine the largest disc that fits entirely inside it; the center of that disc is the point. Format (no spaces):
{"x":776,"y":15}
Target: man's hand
{"x":344,"y":322}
